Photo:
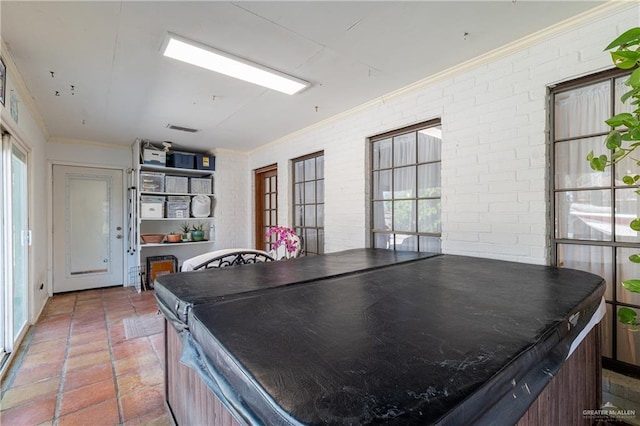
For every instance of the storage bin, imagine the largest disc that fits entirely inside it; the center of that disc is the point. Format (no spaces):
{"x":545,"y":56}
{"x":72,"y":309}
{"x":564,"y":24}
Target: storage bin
{"x":200,"y":185}
{"x":153,"y":157}
{"x":151,"y":210}
{"x":177,"y":184}
{"x":205,"y":162}
{"x":151,"y":182}
{"x":177,"y":209}
{"x":181,"y":160}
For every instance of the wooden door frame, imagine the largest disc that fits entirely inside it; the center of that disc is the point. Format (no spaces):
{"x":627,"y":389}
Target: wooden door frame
{"x":258,"y":196}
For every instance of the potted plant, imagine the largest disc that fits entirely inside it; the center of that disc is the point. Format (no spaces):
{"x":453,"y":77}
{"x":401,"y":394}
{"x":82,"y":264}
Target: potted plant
{"x":623,"y":141}
{"x":174,"y":237}
{"x":197,"y":231}
{"x":286,"y":237}
{"x":186,"y":231}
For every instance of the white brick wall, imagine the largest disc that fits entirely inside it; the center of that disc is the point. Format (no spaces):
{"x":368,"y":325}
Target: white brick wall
{"x":494,"y":169}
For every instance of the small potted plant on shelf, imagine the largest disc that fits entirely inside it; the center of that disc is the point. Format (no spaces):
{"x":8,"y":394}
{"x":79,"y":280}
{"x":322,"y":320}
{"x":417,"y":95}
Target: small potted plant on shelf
{"x":186,"y":231}
{"x":197,"y":231}
{"x":174,"y":237}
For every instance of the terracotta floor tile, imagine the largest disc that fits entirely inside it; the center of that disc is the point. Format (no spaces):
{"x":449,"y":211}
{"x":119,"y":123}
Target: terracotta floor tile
{"x":37,"y":373}
{"x":105,"y":413}
{"x":133,"y":382}
{"x":149,"y":401}
{"x":36,"y":348}
{"x":151,"y":419}
{"x":44,"y":336}
{"x":135,"y":364}
{"x":131,"y":347}
{"x":87,"y":396}
{"x":85,"y":376}
{"x":31,"y":392}
{"x":54,"y":356}
{"x":86,"y":360}
{"x":88,"y":337}
{"x":30,"y":414}
{"x":87,"y":348}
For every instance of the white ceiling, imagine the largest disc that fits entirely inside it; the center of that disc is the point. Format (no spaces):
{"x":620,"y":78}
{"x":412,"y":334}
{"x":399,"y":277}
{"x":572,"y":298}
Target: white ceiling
{"x":351,"y":52}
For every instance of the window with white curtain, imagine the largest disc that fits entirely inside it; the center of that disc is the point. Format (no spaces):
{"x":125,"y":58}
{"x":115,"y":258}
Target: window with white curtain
{"x":406,"y":189}
{"x":592,"y":210}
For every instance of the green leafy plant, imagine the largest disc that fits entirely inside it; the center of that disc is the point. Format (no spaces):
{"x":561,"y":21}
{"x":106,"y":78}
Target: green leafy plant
{"x":198,"y":227}
{"x":185,"y":227}
{"x":623,"y":141}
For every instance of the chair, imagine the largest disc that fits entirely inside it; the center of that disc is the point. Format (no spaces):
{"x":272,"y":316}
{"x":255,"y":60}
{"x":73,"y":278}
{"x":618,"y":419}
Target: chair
{"x":226,"y":257}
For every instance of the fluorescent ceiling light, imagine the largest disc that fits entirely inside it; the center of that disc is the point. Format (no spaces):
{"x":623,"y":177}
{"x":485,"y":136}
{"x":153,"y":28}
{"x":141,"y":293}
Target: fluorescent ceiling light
{"x":194,"y":53}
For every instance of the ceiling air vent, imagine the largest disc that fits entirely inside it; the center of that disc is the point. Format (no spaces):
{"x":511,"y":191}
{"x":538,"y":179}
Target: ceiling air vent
{"x":182,"y":129}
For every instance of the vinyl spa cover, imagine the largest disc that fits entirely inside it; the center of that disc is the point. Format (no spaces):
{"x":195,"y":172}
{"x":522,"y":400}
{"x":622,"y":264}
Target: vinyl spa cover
{"x":177,"y":293}
{"x":438,"y":340}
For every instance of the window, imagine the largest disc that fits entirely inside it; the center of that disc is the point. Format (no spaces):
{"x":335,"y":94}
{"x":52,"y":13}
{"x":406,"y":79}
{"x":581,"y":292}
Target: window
{"x":406,"y":189}
{"x":308,"y":201}
{"x":592,"y":210}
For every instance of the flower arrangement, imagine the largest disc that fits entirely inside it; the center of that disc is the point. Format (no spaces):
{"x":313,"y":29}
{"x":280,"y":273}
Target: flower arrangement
{"x":286,"y":236}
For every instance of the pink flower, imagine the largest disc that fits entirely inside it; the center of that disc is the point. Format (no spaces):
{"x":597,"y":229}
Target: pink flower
{"x":284,"y":235}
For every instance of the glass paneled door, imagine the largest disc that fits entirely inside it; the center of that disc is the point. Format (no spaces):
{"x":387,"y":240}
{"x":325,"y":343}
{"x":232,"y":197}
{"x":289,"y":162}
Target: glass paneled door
{"x":266,"y":202}
{"x":88,"y":233}
{"x":16,"y":239}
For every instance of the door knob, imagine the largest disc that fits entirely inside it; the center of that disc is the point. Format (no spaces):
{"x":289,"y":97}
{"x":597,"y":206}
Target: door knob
{"x":119,"y":236}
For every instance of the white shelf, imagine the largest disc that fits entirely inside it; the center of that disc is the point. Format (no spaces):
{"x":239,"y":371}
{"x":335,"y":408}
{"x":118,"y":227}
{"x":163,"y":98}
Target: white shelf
{"x":175,"y":218}
{"x":190,"y":194}
{"x":190,"y":243}
{"x":176,"y":171}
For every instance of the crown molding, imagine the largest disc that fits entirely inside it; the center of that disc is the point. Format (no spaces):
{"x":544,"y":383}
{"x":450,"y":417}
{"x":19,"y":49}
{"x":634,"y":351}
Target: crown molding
{"x":89,"y":142}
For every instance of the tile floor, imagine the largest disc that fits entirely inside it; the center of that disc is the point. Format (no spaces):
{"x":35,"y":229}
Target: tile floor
{"x":76,"y":366}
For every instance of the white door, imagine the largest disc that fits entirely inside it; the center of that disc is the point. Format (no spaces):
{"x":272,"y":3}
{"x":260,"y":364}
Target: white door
{"x":88,"y":236}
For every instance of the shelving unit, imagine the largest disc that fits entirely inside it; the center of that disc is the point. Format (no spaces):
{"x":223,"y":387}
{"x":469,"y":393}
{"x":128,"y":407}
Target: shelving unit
{"x":165,"y":225}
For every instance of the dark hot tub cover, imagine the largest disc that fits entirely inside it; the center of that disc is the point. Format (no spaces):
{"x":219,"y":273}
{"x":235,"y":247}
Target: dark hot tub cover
{"x":449,"y":340}
{"x":177,"y":293}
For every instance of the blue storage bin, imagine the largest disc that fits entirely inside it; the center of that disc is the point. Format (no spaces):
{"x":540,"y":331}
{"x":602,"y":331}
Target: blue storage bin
{"x":205,"y":162}
{"x":181,"y":160}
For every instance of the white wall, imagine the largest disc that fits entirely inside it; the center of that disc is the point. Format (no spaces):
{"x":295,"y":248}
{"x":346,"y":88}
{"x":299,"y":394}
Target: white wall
{"x":494,"y":159}
{"x":28,"y":133}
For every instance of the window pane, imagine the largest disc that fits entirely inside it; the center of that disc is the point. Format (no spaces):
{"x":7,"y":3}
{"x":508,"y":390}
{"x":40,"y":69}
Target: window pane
{"x":298,"y":171}
{"x":274,"y":201}
{"x":320,"y":191}
{"x":429,"y":144}
{"x":572,"y":168}
{"x":584,"y":215}
{"x":582,"y":111}
{"x":297,"y":193}
{"x":320,"y":241}
{"x":320,"y":167}
{"x":299,"y":215}
{"x":404,"y":149}
{"x":267,"y":204}
{"x":310,"y":192}
{"x":404,"y":213}
{"x":381,"y":154}
{"x":382,"y":185}
{"x":311,"y":241}
{"x":274,"y":218}
{"x":320,"y":215}
{"x":628,"y":343}
{"x":595,"y":259}
{"x":381,"y":240}
{"x":626,"y":166}
{"x":266,"y":185}
{"x":621,"y":89}
{"x":429,"y":216}
{"x":429,"y":180}
{"x":430,"y":244}
{"x":404,"y":182}
{"x":310,"y":169}
{"x":382,"y":215}
{"x":406,"y":242}
{"x":607,"y":340}
{"x":310,"y":215}
{"x":627,"y":270}
{"x":274,"y":184}
{"x":627,"y":209}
